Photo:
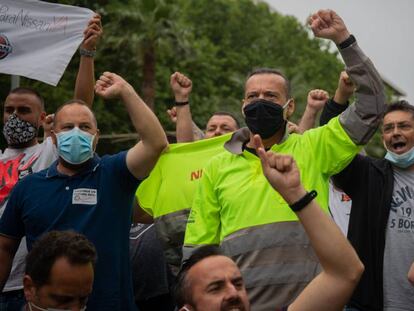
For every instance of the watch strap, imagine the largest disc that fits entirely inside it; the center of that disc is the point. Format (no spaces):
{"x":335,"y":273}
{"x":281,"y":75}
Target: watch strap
{"x":182,"y":103}
{"x":87,"y":53}
{"x":349,"y":41}
{"x":304,"y":201}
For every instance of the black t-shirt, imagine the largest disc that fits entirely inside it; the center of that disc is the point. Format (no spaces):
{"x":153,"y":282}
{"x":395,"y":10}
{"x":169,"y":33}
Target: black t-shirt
{"x":150,"y":273}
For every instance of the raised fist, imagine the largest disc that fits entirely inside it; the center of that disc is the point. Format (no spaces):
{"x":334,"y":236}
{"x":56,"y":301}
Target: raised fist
{"x":110,"y":85}
{"x":293,"y":128}
{"x":181,"y":86}
{"x":172,"y":113}
{"x":92,"y":33}
{"x":345,"y":89}
{"x":328,"y":25}
{"x":317,"y":99}
{"x":48,"y":124}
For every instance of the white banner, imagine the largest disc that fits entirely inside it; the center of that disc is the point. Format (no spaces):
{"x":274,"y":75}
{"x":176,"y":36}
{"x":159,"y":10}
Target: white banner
{"x":38,"y":39}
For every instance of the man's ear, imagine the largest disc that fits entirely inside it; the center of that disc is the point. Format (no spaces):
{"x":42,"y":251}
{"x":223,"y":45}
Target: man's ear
{"x":29,"y":288}
{"x":42,"y":117}
{"x":290,"y":109}
{"x":53,"y":136}
{"x":95,"y":141}
{"x":242,"y":107}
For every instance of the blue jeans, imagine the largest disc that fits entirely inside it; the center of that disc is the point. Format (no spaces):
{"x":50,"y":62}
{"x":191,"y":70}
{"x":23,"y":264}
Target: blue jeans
{"x":12,"y":301}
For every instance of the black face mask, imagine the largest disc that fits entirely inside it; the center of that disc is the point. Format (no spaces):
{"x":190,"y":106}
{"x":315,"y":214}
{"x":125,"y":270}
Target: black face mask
{"x":264,"y":117}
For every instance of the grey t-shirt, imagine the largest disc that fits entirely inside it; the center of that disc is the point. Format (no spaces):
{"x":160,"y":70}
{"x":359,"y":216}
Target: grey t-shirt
{"x":399,"y":244}
{"x":151,"y":276}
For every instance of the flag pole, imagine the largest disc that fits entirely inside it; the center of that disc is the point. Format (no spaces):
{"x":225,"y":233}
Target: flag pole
{"x":14,"y":82}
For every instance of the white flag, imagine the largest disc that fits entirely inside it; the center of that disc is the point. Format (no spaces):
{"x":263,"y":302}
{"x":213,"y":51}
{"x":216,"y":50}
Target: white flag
{"x":38,"y":39}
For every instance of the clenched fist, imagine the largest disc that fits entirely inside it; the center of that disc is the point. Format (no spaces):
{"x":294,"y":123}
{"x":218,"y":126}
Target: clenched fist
{"x":345,"y":89}
{"x":328,"y":25}
{"x":181,"y":86}
{"x":317,"y":99}
{"x":110,"y":86}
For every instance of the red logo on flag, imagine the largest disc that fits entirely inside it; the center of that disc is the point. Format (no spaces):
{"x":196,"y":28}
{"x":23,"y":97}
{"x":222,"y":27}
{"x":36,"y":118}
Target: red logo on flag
{"x":5,"y":46}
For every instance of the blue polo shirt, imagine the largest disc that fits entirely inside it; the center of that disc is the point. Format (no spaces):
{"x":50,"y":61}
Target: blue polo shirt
{"x":96,"y":202}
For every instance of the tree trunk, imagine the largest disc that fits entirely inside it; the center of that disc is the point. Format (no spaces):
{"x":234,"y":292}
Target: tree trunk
{"x":148,"y":70}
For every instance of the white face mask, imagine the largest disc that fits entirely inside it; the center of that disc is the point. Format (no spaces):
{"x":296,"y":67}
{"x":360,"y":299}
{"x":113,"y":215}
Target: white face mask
{"x":50,"y":309}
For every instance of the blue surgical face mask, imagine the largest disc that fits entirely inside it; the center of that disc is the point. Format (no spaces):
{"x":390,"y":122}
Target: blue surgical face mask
{"x":403,"y":160}
{"x":31,"y":304}
{"x":75,"y":146}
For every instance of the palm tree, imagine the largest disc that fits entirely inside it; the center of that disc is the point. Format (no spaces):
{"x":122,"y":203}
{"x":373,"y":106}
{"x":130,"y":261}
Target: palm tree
{"x":147,"y":26}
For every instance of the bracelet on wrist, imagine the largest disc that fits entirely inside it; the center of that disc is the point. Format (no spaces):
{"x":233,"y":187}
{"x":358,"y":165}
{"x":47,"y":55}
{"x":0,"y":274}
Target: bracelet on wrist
{"x":181,"y":103}
{"x":303,"y":202}
{"x":87,"y":53}
{"x":348,"y":42}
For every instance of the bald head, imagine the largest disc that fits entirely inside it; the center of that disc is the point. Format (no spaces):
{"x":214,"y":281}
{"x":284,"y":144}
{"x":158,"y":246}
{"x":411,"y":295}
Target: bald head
{"x":271,"y":71}
{"x":71,"y":110}
{"x":221,"y":123}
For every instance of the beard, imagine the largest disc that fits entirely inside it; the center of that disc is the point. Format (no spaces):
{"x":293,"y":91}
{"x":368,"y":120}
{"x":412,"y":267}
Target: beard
{"x":234,"y":304}
{"x":74,"y":167}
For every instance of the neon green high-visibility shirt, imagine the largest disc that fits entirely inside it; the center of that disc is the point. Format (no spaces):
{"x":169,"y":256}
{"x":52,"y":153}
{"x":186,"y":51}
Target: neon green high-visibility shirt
{"x":173,"y":181}
{"x":167,"y":194}
{"x":234,"y":194}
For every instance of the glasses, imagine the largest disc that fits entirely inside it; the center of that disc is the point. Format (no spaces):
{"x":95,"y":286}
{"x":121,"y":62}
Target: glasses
{"x":402,"y":126}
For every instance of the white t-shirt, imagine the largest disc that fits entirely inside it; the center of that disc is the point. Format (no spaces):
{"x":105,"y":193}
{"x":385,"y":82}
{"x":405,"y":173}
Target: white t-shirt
{"x":15,"y":164}
{"x":340,"y":207}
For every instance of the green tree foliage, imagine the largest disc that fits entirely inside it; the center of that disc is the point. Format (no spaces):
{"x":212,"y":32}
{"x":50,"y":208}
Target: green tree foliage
{"x":241,"y":35}
{"x":145,"y":27}
{"x":215,"y":42}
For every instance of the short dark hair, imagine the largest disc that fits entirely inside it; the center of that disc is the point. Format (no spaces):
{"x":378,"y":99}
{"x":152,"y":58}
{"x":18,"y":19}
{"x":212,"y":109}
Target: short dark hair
{"x":229,"y":114}
{"x":73,"y":102}
{"x":265,"y":70}
{"x":30,"y":91}
{"x":51,"y":246}
{"x":182,"y":290}
{"x":400,"y":105}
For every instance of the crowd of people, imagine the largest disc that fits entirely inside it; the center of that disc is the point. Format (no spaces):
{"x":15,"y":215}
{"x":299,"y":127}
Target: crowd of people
{"x":272,"y":216}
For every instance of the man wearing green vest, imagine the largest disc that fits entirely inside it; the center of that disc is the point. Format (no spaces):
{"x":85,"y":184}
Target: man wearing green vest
{"x":235,"y":207}
{"x":167,"y":194}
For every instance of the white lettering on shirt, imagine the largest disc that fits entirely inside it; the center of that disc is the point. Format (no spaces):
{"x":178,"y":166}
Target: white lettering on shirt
{"x":85,"y":196}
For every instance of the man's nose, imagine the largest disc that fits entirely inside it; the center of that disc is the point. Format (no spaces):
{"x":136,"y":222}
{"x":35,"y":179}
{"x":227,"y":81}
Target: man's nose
{"x":77,"y":308}
{"x":232,"y":292}
{"x":12,"y":113}
{"x":218,"y":132}
{"x":396,"y":130}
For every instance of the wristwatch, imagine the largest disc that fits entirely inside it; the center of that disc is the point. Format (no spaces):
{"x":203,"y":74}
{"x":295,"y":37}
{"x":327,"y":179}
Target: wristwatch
{"x":181,"y":103}
{"x":349,"y":41}
{"x":305,"y":200}
{"x":87,"y":53}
